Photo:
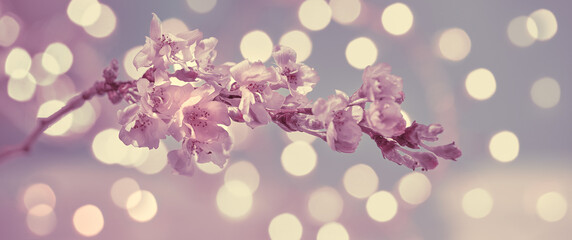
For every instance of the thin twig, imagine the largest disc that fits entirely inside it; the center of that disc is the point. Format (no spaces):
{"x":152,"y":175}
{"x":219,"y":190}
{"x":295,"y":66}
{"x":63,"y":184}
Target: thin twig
{"x":44,"y":123}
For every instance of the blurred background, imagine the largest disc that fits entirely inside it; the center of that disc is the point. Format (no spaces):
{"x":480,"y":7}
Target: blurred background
{"x":495,"y":74}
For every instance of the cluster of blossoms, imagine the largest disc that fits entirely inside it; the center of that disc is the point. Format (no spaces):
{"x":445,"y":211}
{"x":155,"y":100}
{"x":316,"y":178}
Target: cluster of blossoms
{"x":214,"y":95}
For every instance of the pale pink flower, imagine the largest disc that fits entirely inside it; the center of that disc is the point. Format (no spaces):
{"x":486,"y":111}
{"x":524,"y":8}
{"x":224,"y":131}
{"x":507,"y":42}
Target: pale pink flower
{"x":204,"y":57}
{"x":257,"y":96}
{"x":342,"y":130}
{"x":390,"y":150}
{"x":199,"y":116}
{"x":181,"y":162}
{"x":379,"y":83}
{"x":415,"y":134}
{"x":299,"y":78}
{"x":164,"y":99}
{"x":447,"y":151}
{"x":205,"y":52}
{"x":216,"y":150}
{"x":140,"y":128}
{"x":161,"y":49}
{"x":385,"y":118}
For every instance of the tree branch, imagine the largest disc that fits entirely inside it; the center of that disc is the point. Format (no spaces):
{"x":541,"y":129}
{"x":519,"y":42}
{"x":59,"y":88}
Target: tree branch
{"x":44,"y":123}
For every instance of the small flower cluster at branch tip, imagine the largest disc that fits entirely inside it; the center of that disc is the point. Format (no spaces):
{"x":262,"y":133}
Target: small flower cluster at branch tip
{"x":211,"y":96}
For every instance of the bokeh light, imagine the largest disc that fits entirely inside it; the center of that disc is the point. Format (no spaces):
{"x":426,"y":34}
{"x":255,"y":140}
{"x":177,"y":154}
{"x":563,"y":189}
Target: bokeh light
{"x":521,"y":31}
{"x":156,"y":160}
{"x":88,"y":220}
{"x":325,"y":204}
{"x":454,"y":44}
{"x":84,"y":12}
{"x":142,"y":206}
{"x":57,"y":58}
{"x":333,"y":231}
{"x":545,"y":92}
{"x":210,"y":167}
{"x":477,"y":203}
{"x":39,"y":193}
{"x":174,"y":26}
{"x":135,"y":156}
{"x":504,"y":146}
{"x":397,"y":19}
{"x":107,"y":147}
{"x":43,"y":77}
{"x":122,"y":189}
{"x":315,"y":15}
{"x":300,"y":136}
{"x":546,"y":24}
{"x":480,"y":84}
{"x":345,"y":11}
{"x":9,"y":30}
{"x":18,"y":63}
{"x":41,"y":220}
{"x":414,"y":188}
{"x":300,"y":42}
{"x":299,"y":158}
{"x":234,"y":199}
{"x":360,"y":181}
{"x":130,"y":69}
{"x":285,"y":227}
{"x":256,"y":46}
{"x":61,"y":126}
{"x":381,"y":206}
{"x":361,"y":52}
{"x":83,"y":118}
{"x":105,"y":24}
{"x":22,"y":90}
{"x":245,"y":172}
{"x":201,"y":6}
{"x":551,"y":207}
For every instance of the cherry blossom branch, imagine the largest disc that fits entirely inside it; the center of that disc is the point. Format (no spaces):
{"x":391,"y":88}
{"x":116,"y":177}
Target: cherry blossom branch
{"x":247,"y":92}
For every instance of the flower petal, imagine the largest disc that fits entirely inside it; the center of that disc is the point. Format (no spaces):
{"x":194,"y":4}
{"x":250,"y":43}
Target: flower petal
{"x":181,"y":162}
{"x":127,"y":114}
{"x":218,"y":112}
{"x":155,"y":28}
{"x":145,"y":57}
{"x":283,"y":56}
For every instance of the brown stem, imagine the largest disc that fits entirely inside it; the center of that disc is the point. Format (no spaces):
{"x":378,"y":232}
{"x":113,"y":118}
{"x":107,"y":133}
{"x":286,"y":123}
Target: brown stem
{"x":44,"y":123}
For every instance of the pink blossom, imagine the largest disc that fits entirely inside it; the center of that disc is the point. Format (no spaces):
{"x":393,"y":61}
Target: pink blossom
{"x":413,"y":160}
{"x":342,"y":131}
{"x":216,"y":150}
{"x":164,"y":99}
{"x":257,"y":96}
{"x":205,"y":52}
{"x":296,"y":102}
{"x":425,"y":160}
{"x":448,"y":151}
{"x":160,"y":48}
{"x":140,"y":128}
{"x":385,"y":118}
{"x":199,"y":116}
{"x":379,"y":83}
{"x":181,"y":162}
{"x":414,"y":135}
{"x":299,"y":78}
